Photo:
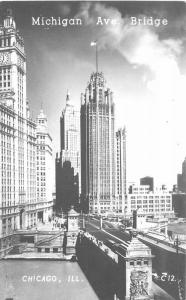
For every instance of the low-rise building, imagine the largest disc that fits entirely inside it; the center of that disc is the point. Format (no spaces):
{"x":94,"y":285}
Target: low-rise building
{"x":155,"y":204}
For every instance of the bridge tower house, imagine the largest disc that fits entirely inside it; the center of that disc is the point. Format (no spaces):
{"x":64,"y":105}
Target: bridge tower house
{"x":139,"y":219}
{"x":72,"y":231}
{"x":138,"y":268}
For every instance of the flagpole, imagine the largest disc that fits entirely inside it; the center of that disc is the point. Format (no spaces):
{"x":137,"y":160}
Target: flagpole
{"x":96,"y":58}
{"x":94,"y":43}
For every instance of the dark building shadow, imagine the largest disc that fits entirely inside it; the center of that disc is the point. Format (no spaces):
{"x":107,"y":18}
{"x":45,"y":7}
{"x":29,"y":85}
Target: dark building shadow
{"x":104,"y":275}
{"x":67,"y":187}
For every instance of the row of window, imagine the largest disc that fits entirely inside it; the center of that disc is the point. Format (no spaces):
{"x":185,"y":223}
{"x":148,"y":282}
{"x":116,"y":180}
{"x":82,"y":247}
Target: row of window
{"x":139,"y":263}
{"x":150,"y":197}
{"x":4,"y":71}
{"x":5,"y":77}
{"x":151,"y":201}
{"x":4,"y":84}
{"x":5,"y":42}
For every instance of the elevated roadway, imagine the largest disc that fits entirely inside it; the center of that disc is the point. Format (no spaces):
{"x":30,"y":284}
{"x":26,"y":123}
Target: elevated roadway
{"x":167,"y":258}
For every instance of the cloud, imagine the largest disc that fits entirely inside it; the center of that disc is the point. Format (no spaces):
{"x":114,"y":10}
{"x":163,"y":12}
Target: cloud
{"x":140,"y":46}
{"x":65,"y":9}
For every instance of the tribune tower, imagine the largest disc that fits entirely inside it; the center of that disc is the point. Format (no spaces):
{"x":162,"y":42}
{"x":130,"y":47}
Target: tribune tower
{"x":98,"y":147}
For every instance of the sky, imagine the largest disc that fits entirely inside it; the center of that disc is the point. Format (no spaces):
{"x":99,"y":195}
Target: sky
{"x":144,"y":66}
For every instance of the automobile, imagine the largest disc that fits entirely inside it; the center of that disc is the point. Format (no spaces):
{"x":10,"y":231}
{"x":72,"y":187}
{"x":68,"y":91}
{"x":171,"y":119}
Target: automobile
{"x":73,"y":258}
{"x":111,"y":244}
{"x":122,"y":227}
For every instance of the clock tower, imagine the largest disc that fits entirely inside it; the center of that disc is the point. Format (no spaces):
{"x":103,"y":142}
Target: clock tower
{"x":18,"y":134}
{"x":13,"y":64}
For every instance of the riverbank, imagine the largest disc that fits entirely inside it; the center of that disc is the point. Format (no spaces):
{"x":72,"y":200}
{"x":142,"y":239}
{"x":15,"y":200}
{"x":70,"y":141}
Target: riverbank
{"x":39,"y":256}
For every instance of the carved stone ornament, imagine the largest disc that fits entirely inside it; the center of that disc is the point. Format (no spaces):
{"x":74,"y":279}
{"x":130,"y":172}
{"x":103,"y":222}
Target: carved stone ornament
{"x":139,"y":283}
{"x":6,"y":95}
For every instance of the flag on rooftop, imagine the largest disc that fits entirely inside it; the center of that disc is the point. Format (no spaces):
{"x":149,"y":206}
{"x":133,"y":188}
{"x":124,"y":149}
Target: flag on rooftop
{"x":94,"y":43}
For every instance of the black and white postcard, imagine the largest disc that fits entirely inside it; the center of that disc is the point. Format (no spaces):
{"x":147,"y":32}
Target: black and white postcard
{"x":92,"y":150}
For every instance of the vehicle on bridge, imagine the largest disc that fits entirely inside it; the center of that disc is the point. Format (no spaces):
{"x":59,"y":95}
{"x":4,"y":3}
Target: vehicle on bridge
{"x":111,"y":244}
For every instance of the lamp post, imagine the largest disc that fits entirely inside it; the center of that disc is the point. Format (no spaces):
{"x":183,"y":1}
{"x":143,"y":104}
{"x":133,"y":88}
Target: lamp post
{"x":101,"y":223}
{"x":177,"y":243}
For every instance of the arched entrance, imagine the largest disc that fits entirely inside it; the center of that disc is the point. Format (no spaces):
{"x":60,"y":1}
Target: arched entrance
{"x":40,"y":216}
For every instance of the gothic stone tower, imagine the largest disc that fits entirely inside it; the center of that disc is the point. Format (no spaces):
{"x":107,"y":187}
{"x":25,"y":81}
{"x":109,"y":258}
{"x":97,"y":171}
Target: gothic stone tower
{"x":98,"y":147}
{"x":138,"y":268}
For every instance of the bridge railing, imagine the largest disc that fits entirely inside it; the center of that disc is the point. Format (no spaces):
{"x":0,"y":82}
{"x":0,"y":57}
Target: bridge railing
{"x":165,"y":242}
{"x":101,"y":246}
{"x":48,"y":239}
{"x":36,"y":231}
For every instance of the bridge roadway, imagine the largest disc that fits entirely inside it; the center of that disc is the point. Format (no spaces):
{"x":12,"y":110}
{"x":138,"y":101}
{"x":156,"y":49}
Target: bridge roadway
{"x":93,"y":227}
{"x":152,"y":239}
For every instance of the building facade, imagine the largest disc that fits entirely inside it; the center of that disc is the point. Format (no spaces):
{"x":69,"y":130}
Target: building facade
{"x":17,"y":135}
{"x":121,"y":180}
{"x":181,"y":179}
{"x":68,"y":175}
{"x":179,"y":204}
{"x":70,"y":136}
{"x":45,"y":169}
{"x":155,"y":204}
{"x":148,"y":181}
{"x":20,"y":201}
{"x":98,"y":147}
{"x":67,"y":192}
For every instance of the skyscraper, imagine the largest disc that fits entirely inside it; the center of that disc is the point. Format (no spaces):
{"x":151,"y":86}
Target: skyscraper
{"x":70,"y":135}
{"x":45,"y":169}
{"x":181,"y":178}
{"x":98,"y":147}
{"x":121,"y":168}
{"x":68,"y":175}
{"x":18,"y":208}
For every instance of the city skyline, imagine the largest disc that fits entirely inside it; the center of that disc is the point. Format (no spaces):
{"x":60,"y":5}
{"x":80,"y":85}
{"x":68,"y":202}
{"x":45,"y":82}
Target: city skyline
{"x":58,"y":56}
{"x":124,"y":244}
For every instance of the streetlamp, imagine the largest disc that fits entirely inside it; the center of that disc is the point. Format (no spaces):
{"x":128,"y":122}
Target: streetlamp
{"x":176,"y":244}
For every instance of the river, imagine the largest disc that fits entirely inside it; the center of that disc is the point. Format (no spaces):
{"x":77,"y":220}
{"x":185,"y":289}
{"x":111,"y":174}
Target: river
{"x":43,"y":280}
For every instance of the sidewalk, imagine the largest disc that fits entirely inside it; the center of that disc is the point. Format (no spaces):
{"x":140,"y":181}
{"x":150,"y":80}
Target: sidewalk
{"x":49,"y":226}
